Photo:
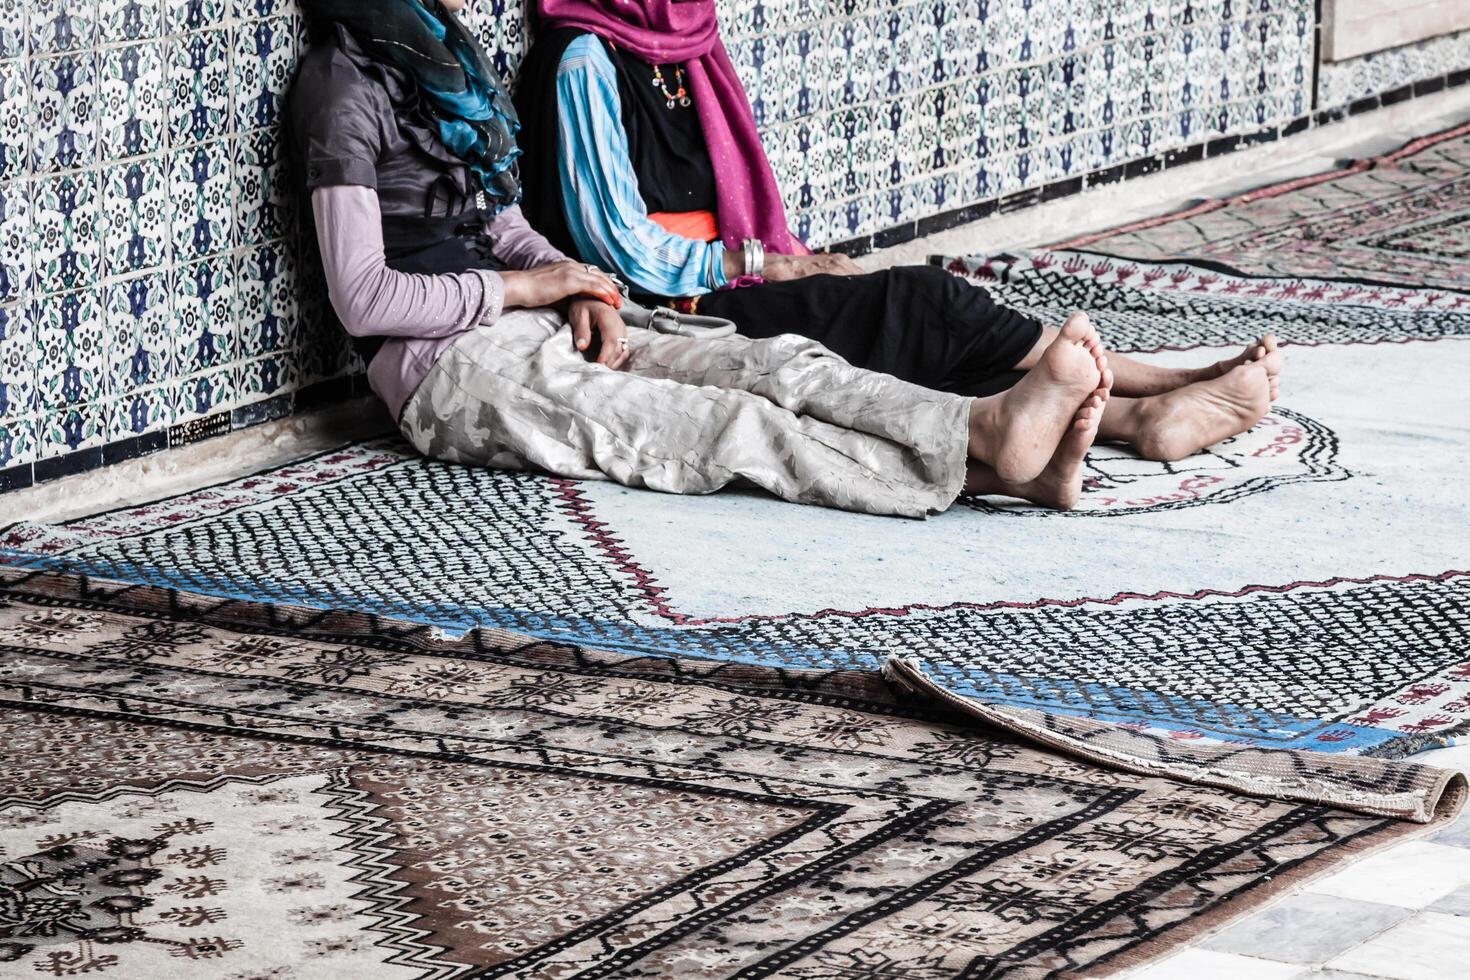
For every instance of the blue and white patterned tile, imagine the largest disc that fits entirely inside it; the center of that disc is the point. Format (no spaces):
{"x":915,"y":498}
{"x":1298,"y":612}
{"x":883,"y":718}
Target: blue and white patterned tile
{"x":201,"y":186}
{"x":14,"y":16}
{"x":266,"y":376}
{"x":66,"y":240}
{"x":16,"y":240}
{"x":267,"y":283}
{"x":71,"y":338}
{"x":249,"y":9}
{"x":1347,"y":81}
{"x":61,"y":25}
{"x":811,"y":94}
{"x":129,"y":20}
{"x":15,"y":119}
{"x":204,"y":306}
{"x":199,"y":86}
{"x":18,"y":444}
{"x":134,"y":216}
{"x":264,"y":202}
{"x":193,"y":15}
{"x":76,"y":427}
{"x":64,"y":111}
{"x":19,"y":349}
{"x":206,"y":393}
{"x":264,"y":55}
{"x":134,"y":87}
{"x":140,"y":323}
{"x":137,"y":412}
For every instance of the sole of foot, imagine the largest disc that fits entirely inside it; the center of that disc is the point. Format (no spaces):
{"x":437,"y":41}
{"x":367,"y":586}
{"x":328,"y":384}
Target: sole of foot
{"x":1060,"y":485}
{"x":1182,"y":422}
{"x":1267,"y":353}
{"x":1017,"y":433}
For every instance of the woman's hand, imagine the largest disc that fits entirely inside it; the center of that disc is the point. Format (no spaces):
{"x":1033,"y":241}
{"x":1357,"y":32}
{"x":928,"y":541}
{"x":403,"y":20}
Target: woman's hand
{"x":589,"y":317}
{"x":783,"y":268}
{"x":548,"y":285}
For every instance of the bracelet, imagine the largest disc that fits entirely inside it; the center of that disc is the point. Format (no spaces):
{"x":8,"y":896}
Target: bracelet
{"x":754,"y":251}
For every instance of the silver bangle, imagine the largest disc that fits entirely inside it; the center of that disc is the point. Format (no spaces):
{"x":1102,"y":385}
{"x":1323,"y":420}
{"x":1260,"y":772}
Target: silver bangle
{"x":754,"y":251}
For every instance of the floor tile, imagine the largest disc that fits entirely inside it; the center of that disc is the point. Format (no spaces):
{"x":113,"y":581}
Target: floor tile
{"x":1411,"y":875}
{"x":1203,"y":964}
{"x":1307,"y":929}
{"x":1430,"y":946}
{"x":1456,"y":902}
{"x":1456,"y":834}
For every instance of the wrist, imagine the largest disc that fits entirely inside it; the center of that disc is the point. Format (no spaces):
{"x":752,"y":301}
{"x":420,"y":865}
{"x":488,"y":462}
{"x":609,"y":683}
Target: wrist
{"x":753,"y":254}
{"x":492,"y":296}
{"x":510,"y":289}
{"x":732,"y":264}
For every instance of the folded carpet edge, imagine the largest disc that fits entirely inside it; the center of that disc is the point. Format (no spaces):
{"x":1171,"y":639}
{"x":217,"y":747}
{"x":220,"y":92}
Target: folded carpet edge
{"x":1378,"y":787}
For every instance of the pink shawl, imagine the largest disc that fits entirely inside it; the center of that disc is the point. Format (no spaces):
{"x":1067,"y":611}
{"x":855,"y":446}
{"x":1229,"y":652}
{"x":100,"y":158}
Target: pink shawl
{"x":684,"y":31}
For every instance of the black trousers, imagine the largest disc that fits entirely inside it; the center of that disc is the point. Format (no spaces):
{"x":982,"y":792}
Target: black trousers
{"x":918,"y":323}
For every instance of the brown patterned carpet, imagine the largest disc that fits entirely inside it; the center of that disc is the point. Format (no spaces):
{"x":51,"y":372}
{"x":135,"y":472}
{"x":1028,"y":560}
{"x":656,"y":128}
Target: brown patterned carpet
{"x":1403,"y":218}
{"x":196,"y":787}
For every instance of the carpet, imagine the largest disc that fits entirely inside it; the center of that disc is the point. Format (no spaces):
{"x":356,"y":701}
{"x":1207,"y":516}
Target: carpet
{"x":197,"y":786}
{"x":1302,"y":586}
{"x":1401,"y":218}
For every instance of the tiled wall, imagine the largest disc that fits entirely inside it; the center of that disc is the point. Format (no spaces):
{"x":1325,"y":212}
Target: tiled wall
{"x":154,"y":288}
{"x":1372,"y":75}
{"x":892,"y":112}
{"x":148,"y":268}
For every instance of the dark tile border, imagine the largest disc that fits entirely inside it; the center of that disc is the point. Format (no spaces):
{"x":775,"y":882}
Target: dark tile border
{"x":317,"y":395}
{"x":334,"y":390}
{"x":946,"y":220}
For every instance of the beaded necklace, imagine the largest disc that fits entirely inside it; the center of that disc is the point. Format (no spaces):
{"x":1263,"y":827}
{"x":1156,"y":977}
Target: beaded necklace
{"x":681,"y":96}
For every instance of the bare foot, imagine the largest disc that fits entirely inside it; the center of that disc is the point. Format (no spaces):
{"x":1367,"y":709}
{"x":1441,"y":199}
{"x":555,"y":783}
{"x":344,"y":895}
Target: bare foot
{"x":1060,"y":485}
{"x":1181,"y":422}
{"x":1018,"y":432}
{"x":1265,"y":352}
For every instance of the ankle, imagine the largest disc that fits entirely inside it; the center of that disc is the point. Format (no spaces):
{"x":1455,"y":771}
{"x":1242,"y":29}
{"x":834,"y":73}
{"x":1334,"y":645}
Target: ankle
{"x":984,"y":424}
{"x":1125,"y":419}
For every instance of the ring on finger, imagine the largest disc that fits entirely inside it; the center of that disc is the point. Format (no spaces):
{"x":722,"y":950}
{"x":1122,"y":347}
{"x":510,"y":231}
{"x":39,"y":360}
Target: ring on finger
{"x":622,"y":343}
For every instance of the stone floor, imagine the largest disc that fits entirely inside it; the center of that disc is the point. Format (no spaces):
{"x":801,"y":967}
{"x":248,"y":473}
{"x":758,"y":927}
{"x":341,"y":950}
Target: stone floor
{"x":1401,"y":914}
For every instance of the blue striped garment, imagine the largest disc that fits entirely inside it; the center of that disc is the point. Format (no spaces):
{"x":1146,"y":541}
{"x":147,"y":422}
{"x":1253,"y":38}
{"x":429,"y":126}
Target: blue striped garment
{"x":605,"y":213}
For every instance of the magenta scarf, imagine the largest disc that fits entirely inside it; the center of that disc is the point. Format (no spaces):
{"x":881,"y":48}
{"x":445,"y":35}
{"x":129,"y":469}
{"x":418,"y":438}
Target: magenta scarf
{"x":684,"y":31}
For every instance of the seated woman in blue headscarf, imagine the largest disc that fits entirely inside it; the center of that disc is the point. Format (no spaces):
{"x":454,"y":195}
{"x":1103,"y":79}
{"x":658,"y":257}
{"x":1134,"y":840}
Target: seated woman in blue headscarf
{"x":481,"y":336}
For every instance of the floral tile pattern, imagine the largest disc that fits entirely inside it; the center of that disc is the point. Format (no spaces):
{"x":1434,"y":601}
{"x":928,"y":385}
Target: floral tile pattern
{"x":150,"y":240}
{"x":1343,"y":82}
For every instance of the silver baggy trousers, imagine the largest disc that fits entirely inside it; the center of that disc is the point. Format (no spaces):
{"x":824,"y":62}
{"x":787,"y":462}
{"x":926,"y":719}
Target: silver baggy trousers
{"x":691,"y":416}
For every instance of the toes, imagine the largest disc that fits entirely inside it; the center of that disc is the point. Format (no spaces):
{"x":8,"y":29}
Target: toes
{"x":1077,"y":328}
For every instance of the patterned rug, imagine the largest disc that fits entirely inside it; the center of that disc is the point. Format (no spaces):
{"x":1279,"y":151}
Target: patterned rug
{"x":1400,"y":218}
{"x":203,"y":787}
{"x":1298,"y":587}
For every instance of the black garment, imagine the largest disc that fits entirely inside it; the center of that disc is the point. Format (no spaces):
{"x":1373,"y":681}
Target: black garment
{"x":667,"y":145}
{"x":918,"y":323}
{"x":446,"y":73}
{"x":535,"y":100}
{"x":353,"y":120}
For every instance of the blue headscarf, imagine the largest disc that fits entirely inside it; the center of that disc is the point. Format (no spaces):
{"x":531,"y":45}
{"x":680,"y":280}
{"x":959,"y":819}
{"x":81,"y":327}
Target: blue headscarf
{"x":474,"y":115}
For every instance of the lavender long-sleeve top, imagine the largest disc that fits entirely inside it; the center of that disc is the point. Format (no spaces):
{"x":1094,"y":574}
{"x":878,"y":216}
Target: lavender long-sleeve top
{"x":421,"y":315}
